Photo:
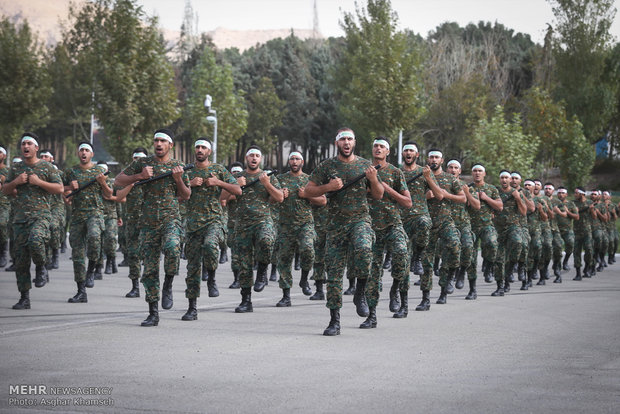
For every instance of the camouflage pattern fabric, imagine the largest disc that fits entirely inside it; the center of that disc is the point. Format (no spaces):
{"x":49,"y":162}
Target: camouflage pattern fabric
{"x":5,"y":206}
{"x":484,"y":232}
{"x":133,"y":213}
{"x":85,"y":239}
{"x":202,"y":246}
{"x":583,"y":234}
{"x":320,"y":228}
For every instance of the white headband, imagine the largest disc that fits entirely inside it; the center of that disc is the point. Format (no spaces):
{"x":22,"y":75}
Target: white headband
{"x":254,"y":151}
{"x":580,"y":191}
{"x":454,"y":162}
{"x":550,"y":187}
{"x":203,"y":143}
{"x":236,"y":168}
{"x":29,"y":138}
{"x":345,"y":134}
{"x":478,"y":166}
{"x":163,"y":135}
{"x":295,"y":153}
{"x":2,"y":150}
{"x":436,"y":154}
{"x":17,"y":159}
{"x":410,"y":147}
{"x":47,"y":153}
{"x":104,"y":166}
{"x":606,"y":193}
{"x":528,"y":182}
{"x":87,"y":146}
{"x":381,"y":142}
{"x":562,"y":191}
{"x":516,"y":175}
{"x":504,"y":174}
{"x":138,"y":155}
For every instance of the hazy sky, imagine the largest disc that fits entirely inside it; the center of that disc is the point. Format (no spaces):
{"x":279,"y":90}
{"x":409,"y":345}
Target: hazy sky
{"x":421,"y":16}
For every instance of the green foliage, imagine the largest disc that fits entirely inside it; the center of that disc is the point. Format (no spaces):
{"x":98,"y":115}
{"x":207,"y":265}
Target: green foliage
{"x":24,"y":82}
{"x":577,"y":158}
{"x":499,"y":144}
{"x":266,"y":111}
{"x":379,"y":76}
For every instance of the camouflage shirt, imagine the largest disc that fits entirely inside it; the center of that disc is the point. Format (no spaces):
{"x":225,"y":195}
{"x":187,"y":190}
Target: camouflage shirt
{"x":110,"y":208}
{"x":253,"y":205}
{"x":319,"y":214}
{"x":583,"y":225}
{"x":510,"y":214}
{"x":598,"y":223}
{"x":204,"y":205}
{"x":459,"y":210}
{"x":351,"y":205}
{"x":566,"y":223}
{"x":89,"y":201}
{"x":160,"y":203}
{"x":417,"y":189}
{"x":484,"y":216}
{"x":133,"y":204}
{"x":4,"y":199}
{"x":385,"y":212}
{"x":441,"y":211}
{"x":295,"y":210}
{"x":32,"y":201}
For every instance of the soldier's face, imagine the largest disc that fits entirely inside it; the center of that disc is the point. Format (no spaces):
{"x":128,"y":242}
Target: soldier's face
{"x":346,"y":146}
{"x":454,"y":169}
{"x":201,"y":153}
{"x":253,"y":161}
{"x":548,"y":192}
{"x":562,"y":196}
{"x":295,"y":163}
{"x":537,"y":187}
{"x":504,"y":180}
{"x":478,"y":175}
{"x":2,"y":157}
{"x":380,"y":152}
{"x":29,"y":149}
{"x":529,"y":187}
{"x":47,"y":158}
{"x":85,"y":155}
{"x":409,"y":156}
{"x":162,"y":147}
{"x":434,"y":162}
{"x":515,"y":182}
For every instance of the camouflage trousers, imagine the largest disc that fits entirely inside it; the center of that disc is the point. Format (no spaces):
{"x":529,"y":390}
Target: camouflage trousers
{"x":234,"y":256}
{"x":165,"y":238}
{"x":57,"y":229}
{"x":525,"y":245}
{"x":275,"y":249}
{"x":546,"y":238}
{"x":85,"y":241}
{"x":133,"y":246}
{"x":486,"y":238}
{"x":4,"y":223}
{"x":394,"y":240}
{"x":122,"y":237}
{"x":509,"y":250}
{"x":203,"y":246}
{"x":30,"y":242}
{"x":599,"y":239}
{"x":354,"y":240}
{"x":568,"y":236}
{"x":223,"y":243}
{"x":254,"y":241}
{"x":535,"y":249}
{"x":583,"y":241}
{"x":444,"y":241}
{"x":418,"y":230}
{"x":319,"y":255}
{"x":467,"y":245}
{"x":290,"y":239}
{"x":612,"y":236}
{"x":110,"y":233}
{"x":557,"y":246}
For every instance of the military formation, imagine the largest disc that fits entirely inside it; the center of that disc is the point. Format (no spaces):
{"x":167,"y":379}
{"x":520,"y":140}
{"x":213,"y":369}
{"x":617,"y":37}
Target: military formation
{"x":350,"y":217}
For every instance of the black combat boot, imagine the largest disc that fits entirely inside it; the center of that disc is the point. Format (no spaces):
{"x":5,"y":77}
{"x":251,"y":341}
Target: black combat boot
{"x":286,"y":299}
{"x":578,"y":275}
{"x":387,"y":263}
{"x":97,"y":275}
{"x":557,"y":269}
{"x":223,"y":256}
{"x":603,"y":262}
{"x":54,"y":261}
{"x":205,"y":274}
{"x":4,"y":247}
{"x":558,"y":279}
{"x":261,"y":277}
{"x":565,"y":264}
{"x":394,"y":302}
{"x":24,"y":301}
{"x":123,"y":262}
{"x":546,"y":270}
{"x":351,"y":289}
{"x":600,"y":262}
{"x":246,"y":301}
{"x":371,"y":321}
{"x":500,"y":289}
{"x":80,"y":296}
{"x":211,"y":285}
{"x":418,"y":269}
{"x":11,"y":267}
{"x":521,"y":273}
{"x":506,"y":286}
{"x":525,"y":285}
{"x":318,"y":295}
{"x":114,"y":268}
{"x":166,"y":293}
{"x":153,"y":318}
{"x":443,"y":296}
{"x":333,"y":328}
{"x":297,"y":265}
{"x":273,"y":276}
{"x":303,"y":283}
{"x":135,"y":289}
{"x":510,"y":268}
{"x":235,"y":284}
{"x":425,"y":304}
{"x":473,"y":294}
{"x":108,"y":266}
{"x":450,"y":281}
{"x":192,"y":312}
{"x":40,"y":278}
{"x":610,"y":258}
{"x":359,"y":299}
{"x":90,"y":270}
{"x":542,"y":281}
{"x":488,"y":271}
{"x":460,"y":277}
{"x":436,"y":266}
{"x":403,"y":311}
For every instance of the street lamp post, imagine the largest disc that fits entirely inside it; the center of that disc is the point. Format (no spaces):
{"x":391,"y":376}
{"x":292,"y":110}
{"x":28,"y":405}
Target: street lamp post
{"x":212,"y":119}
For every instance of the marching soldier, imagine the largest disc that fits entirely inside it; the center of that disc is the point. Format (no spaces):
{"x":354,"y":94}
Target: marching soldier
{"x":229,"y":202}
{"x":5,"y":207}
{"x":583,"y":234}
{"x":612,"y":230}
{"x":567,"y":213}
{"x":57,"y":224}
{"x":599,"y":230}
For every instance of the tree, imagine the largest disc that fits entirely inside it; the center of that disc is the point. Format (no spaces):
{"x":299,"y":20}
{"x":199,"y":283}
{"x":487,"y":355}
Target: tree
{"x":24,"y":82}
{"x":266,"y":111}
{"x":379,"y":77}
{"x":577,"y":158}
{"x":499,"y":144}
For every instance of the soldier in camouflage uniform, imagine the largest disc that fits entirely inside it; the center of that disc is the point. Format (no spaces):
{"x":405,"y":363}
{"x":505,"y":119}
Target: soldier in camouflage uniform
{"x":565,"y":214}
{"x":583,"y":234}
{"x":349,"y":223}
{"x":87,"y":220}
{"x":416,"y":220}
{"x":483,"y":229}
{"x":462,"y":222}
{"x":31,"y":182}
{"x":509,"y":230}
{"x":528,"y":197}
{"x":11,"y":235}
{"x":254,"y":227}
{"x":205,"y":229}
{"x":229,"y":201}
{"x":390,"y":236}
{"x":612,"y":230}
{"x":57,"y":223}
{"x":5,"y":206}
{"x":112,"y":222}
{"x":599,"y":230}
{"x":546,"y":236}
{"x":319,"y":215}
{"x":275,"y":217}
{"x":296,"y":228}
{"x":534,"y":218}
{"x":161,"y":220}
{"x":556,"y":237}
{"x":444,"y":237}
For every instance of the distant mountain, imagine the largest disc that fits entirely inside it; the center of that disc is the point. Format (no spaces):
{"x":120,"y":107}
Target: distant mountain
{"x":46,"y":17}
